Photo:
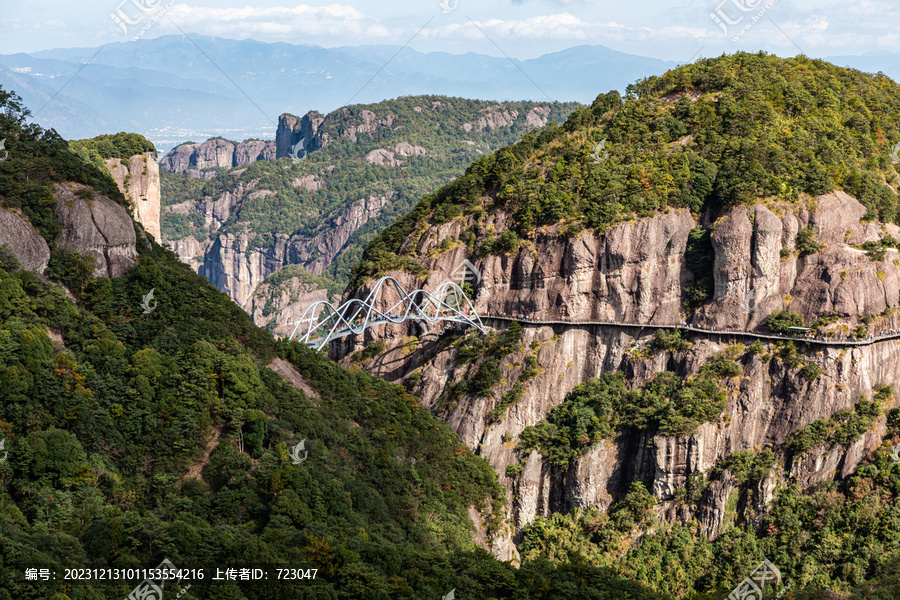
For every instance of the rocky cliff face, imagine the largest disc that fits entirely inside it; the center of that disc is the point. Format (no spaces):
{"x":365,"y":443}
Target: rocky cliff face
{"x":636,"y":273}
{"x":93,"y":224}
{"x":279,"y":307}
{"x":28,"y":246}
{"x":752,"y":278}
{"x":138,"y":180}
{"x":206,"y":159}
{"x":90,"y":224}
{"x":230,"y":263}
{"x":292,"y":129}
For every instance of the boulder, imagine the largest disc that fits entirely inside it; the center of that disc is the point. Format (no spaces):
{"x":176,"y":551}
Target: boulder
{"x":29,"y":247}
{"x":99,"y":227}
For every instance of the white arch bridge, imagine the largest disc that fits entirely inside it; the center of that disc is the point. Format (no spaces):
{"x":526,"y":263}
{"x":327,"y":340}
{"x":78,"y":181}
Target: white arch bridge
{"x":323,"y":322}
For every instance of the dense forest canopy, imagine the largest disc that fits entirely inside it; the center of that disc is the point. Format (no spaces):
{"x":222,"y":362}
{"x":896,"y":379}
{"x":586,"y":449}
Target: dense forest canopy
{"x":716,"y":133}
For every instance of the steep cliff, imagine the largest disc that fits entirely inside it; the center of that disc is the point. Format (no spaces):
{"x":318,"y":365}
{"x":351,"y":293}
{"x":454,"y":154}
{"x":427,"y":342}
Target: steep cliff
{"x":212,"y":156}
{"x":691,"y":216}
{"x":280,"y":300}
{"x":291,"y":130}
{"x":235,"y":264}
{"x":30,"y":248}
{"x":138,"y":180}
{"x":635,"y":273}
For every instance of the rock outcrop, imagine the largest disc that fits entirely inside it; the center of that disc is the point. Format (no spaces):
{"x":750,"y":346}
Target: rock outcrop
{"x":139,"y":183}
{"x":96,"y":225}
{"x":206,"y":159}
{"x":292,"y":129}
{"x":231,"y":264}
{"x":28,"y":246}
{"x":382,"y":157}
{"x":636,"y":273}
{"x":279,"y":307}
{"x":758,"y":268}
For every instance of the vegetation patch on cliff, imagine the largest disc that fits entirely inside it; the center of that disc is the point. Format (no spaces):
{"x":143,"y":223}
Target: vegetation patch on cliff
{"x":838,"y":537}
{"x":493,"y":349}
{"x":843,"y":427}
{"x":596,"y":409}
{"x":119,"y":145}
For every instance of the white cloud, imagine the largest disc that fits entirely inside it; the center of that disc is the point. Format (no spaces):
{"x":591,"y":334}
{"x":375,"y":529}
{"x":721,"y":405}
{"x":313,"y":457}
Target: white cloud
{"x":562,"y":27}
{"x":301,"y":21}
{"x":673,"y":33}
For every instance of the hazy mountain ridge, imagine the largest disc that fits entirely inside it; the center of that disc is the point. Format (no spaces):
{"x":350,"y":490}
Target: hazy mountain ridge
{"x":280,"y":77}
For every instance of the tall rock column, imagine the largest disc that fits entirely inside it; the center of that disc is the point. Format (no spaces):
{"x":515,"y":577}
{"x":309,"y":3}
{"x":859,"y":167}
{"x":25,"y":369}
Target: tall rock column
{"x":139,"y":182}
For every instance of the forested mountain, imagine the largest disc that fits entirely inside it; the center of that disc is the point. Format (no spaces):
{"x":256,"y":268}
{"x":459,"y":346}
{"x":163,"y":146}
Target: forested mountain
{"x":143,"y":417}
{"x":360,"y":169}
{"x":649,"y":252}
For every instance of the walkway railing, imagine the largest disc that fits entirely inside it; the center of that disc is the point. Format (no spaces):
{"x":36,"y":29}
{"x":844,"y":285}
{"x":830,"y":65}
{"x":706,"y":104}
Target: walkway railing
{"x":812,"y":339}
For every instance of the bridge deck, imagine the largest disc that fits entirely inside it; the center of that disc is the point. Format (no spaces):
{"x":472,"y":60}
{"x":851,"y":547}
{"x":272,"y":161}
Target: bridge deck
{"x":730,"y":332}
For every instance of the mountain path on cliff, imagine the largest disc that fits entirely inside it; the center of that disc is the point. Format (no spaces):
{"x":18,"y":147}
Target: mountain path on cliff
{"x":735,"y":332}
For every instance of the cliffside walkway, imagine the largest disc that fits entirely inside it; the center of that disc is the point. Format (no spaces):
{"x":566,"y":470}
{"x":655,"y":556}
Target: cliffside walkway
{"x":326,"y":322}
{"x":843,"y":342}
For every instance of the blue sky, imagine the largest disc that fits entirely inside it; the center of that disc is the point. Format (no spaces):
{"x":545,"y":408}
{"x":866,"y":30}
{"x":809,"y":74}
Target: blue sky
{"x":678,"y":31}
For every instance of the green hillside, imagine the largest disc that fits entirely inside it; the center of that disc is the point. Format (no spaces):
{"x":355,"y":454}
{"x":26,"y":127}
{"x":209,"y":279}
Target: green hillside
{"x":134,"y":438}
{"x":129,"y":438}
{"x":716,"y":133}
{"x":435,"y":123}
{"x":707,"y":136}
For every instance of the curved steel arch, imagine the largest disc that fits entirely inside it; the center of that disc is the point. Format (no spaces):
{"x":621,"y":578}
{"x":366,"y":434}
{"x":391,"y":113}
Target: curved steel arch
{"x":326,"y":322}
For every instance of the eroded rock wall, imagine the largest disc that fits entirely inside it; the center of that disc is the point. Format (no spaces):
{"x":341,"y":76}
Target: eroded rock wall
{"x":203,"y":160}
{"x":138,"y":180}
{"x":636,"y":274}
{"x":29,"y":247}
{"x":93,"y":224}
{"x":230,"y":263}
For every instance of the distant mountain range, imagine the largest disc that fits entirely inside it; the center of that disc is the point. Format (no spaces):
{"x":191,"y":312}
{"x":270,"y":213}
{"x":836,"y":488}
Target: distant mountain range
{"x":171,"y":90}
{"x":177,"y":88}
